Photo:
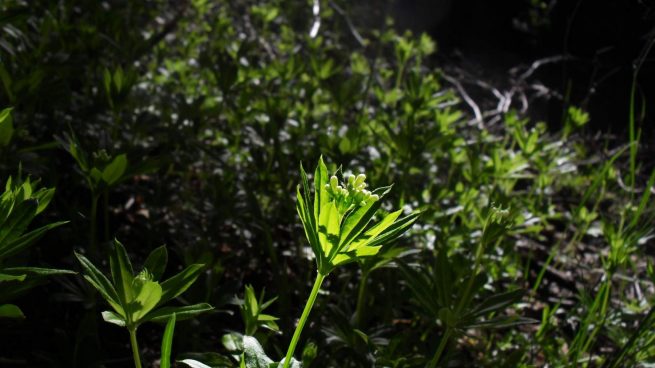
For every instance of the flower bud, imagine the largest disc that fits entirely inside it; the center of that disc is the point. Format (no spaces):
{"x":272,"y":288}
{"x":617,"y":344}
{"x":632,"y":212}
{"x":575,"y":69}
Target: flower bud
{"x":360,"y":180}
{"x":334,"y":182}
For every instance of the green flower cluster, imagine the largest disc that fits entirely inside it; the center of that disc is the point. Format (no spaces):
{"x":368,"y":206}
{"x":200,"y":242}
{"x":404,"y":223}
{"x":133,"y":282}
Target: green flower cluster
{"x":351,"y":194}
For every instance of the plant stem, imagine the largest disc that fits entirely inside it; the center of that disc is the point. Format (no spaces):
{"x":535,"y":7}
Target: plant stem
{"x":361,"y":296}
{"x":135,"y":347}
{"x":442,"y":345}
{"x":303,"y":319}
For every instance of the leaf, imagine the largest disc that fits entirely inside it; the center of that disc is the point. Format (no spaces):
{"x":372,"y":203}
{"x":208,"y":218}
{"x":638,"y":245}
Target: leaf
{"x":10,"y":311}
{"x":179,"y":283}
{"x":6,"y":277}
{"x":182,"y":313}
{"x":497,"y":302}
{"x":122,"y":273}
{"x":112,"y":317}
{"x":147,"y":296}
{"x":320,"y":193}
{"x":115,"y":170}
{"x":254,"y":355}
{"x":6,"y":127}
{"x":294,"y":363}
{"x":100,"y":282}
{"x":503,"y":322}
{"x":26,"y":240}
{"x":374,"y":231}
{"x":44,"y":197}
{"x":357,"y":221}
{"x":156,"y":262}
{"x":193,"y":363}
{"x":394,"y":231}
{"x":18,"y":220}
{"x":233,"y":342}
{"x":38,"y":271}
{"x":167,"y":342}
{"x":328,"y":229}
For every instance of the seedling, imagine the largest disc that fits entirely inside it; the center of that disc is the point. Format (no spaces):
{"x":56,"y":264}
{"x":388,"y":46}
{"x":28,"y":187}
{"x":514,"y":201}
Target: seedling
{"x":136,"y":299}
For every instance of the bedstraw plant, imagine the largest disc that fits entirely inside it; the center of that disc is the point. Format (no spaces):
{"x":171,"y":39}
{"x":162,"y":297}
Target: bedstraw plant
{"x":336,"y":223}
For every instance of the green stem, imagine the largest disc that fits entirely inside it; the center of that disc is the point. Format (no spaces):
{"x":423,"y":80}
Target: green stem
{"x":442,"y":345}
{"x":303,"y":319}
{"x":361,"y":296}
{"x":135,"y":347}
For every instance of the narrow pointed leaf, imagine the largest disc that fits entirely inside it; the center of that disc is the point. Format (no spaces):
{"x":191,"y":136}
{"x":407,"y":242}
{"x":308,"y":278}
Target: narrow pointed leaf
{"x":167,"y":343}
{"x":156,"y":262}
{"x":122,"y":273}
{"x":179,"y":283}
{"x":161,"y":315}
{"x":357,"y":221}
{"x":26,"y":240}
{"x":397,"y":229}
{"x":320,"y":179}
{"x":497,"y":302}
{"x":6,"y":277}
{"x":374,"y":231}
{"x":98,"y":280}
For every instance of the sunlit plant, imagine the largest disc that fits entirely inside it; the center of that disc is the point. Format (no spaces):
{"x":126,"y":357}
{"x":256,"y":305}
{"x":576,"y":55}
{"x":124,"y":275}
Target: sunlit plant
{"x":136,"y":299}
{"x":336,"y":223}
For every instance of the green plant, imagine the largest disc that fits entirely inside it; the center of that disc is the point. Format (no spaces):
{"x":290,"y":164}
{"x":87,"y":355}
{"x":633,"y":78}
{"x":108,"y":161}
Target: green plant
{"x":139,"y":298}
{"x":336,"y":223}
{"x":20,"y":203}
{"x":252,"y":310}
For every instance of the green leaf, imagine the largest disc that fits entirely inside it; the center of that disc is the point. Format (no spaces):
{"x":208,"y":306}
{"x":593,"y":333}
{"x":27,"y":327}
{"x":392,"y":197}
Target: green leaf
{"x":254,"y":355}
{"x":497,"y":302}
{"x":374,"y":231}
{"x":328,"y":229}
{"x":156,"y":262}
{"x":38,"y":271}
{"x":357,"y":221}
{"x":179,"y":283}
{"x":19,"y":218}
{"x":6,"y":127}
{"x":114,"y":318}
{"x":6,"y":277}
{"x":167,"y":342}
{"x":10,"y":311}
{"x":320,"y":179}
{"x":115,"y":170}
{"x":147,"y":295}
{"x":394,"y":231}
{"x":24,"y":241}
{"x":182,"y":313}
{"x":503,"y":322}
{"x":122,"y":273}
{"x":194,"y":363}
{"x":101,"y":283}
